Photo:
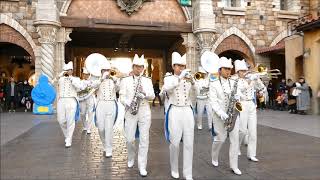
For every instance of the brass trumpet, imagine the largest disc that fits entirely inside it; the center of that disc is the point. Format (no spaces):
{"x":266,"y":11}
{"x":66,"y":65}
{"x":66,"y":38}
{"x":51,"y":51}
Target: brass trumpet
{"x":113,"y":73}
{"x":198,"y":76}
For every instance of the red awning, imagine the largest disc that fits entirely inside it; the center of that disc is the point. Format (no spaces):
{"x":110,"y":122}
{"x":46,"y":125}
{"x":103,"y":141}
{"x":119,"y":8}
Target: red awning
{"x":277,"y":47}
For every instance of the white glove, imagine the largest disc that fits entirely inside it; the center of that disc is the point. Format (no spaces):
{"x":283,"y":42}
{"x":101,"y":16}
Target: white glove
{"x":141,"y":95}
{"x":105,"y":75}
{"x":254,"y":77}
{"x":127,"y":103}
{"x":114,"y":79}
{"x":61,"y":74}
{"x":88,"y":83}
{"x":224,"y":116}
{"x":237,"y":97}
{"x":183,"y":74}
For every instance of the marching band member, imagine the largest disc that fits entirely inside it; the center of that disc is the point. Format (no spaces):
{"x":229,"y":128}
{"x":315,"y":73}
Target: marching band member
{"x":248,"y":116}
{"x":87,"y":106}
{"x":67,"y":106}
{"x":202,"y":99}
{"x":219,"y":95}
{"x":179,"y":122}
{"x":107,"y":109}
{"x":135,"y":91}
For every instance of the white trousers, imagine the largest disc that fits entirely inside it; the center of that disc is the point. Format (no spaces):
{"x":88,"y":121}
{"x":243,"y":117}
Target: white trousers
{"x":105,"y":114}
{"x":86,"y":109}
{"x":181,"y":125}
{"x":219,"y":139}
{"x":143,"y":121}
{"x":203,"y":104}
{"x":248,"y":126}
{"x":66,"y":109}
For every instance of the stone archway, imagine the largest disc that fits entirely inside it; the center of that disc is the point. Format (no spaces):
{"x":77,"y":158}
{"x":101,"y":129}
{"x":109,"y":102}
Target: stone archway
{"x":9,"y":35}
{"x":234,"y":31}
{"x":11,"y":31}
{"x":235,"y":44}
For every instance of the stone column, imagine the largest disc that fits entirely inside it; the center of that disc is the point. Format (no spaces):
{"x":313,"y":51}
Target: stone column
{"x":203,"y":26}
{"x":62,"y":39}
{"x":47,"y":24}
{"x":47,"y":51}
{"x":189,"y":41}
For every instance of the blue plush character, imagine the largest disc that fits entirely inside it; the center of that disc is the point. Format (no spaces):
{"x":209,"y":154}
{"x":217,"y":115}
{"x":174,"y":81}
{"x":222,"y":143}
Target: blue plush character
{"x":43,"y":95}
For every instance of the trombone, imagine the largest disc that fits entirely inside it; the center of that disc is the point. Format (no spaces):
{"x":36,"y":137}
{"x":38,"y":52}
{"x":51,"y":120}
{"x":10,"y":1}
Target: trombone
{"x":263,"y":71}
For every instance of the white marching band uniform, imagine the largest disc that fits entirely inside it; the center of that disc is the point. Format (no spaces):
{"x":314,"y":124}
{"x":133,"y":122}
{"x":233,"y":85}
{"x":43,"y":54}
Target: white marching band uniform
{"x":87,"y":108}
{"x":68,"y":103}
{"x":203,"y":100}
{"x":142,"y":120}
{"x":180,"y":122}
{"x":219,"y":94}
{"x":106,"y":109}
{"x":164,"y":95}
{"x":248,"y":115}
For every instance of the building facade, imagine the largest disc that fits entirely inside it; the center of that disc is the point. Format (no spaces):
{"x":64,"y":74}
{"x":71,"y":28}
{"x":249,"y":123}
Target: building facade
{"x":48,"y":33}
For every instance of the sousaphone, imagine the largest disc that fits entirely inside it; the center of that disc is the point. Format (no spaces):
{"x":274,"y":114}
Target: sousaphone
{"x":93,"y":64}
{"x":210,"y":63}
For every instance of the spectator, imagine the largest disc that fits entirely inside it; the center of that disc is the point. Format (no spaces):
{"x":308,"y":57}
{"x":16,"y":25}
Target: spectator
{"x":1,"y":99}
{"x":282,"y":86}
{"x":11,"y":95}
{"x":303,"y":98}
{"x":271,"y":95}
{"x":26,"y":96}
{"x":156,"y":88}
{"x":261,"y":100}
{"x":291,"y":99}
{"x":280,"y":100}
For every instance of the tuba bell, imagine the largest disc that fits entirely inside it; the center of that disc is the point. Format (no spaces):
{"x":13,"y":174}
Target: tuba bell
{"x":210,"y":63}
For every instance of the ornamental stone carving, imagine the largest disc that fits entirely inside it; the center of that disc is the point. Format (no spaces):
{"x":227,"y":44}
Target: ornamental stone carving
{"x":130,"y":5}
{"x":47,"y":34}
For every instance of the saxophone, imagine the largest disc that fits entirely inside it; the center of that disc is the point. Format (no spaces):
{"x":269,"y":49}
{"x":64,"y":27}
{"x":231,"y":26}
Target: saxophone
{"x":135,"y":103}
{"x":234,"y":108}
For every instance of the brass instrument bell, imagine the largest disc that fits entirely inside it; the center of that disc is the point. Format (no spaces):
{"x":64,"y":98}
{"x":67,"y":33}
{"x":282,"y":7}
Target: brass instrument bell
{"x":199,"y":76}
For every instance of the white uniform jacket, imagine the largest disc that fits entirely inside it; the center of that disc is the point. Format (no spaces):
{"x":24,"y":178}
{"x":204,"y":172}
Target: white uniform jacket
{"x":128,"y":86}
{"x":69,"y":86}
{"x":249,"y":88}
{"x":179,"y":91}
{"x":219,"y":95}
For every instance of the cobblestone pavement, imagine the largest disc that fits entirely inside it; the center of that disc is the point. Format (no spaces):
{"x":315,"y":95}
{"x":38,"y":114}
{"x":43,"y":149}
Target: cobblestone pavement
{"x":39,"y":153}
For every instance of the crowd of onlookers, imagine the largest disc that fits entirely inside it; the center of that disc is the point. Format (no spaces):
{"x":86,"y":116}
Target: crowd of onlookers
{"x":14,"y":95}
{"x":287,"y":95}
